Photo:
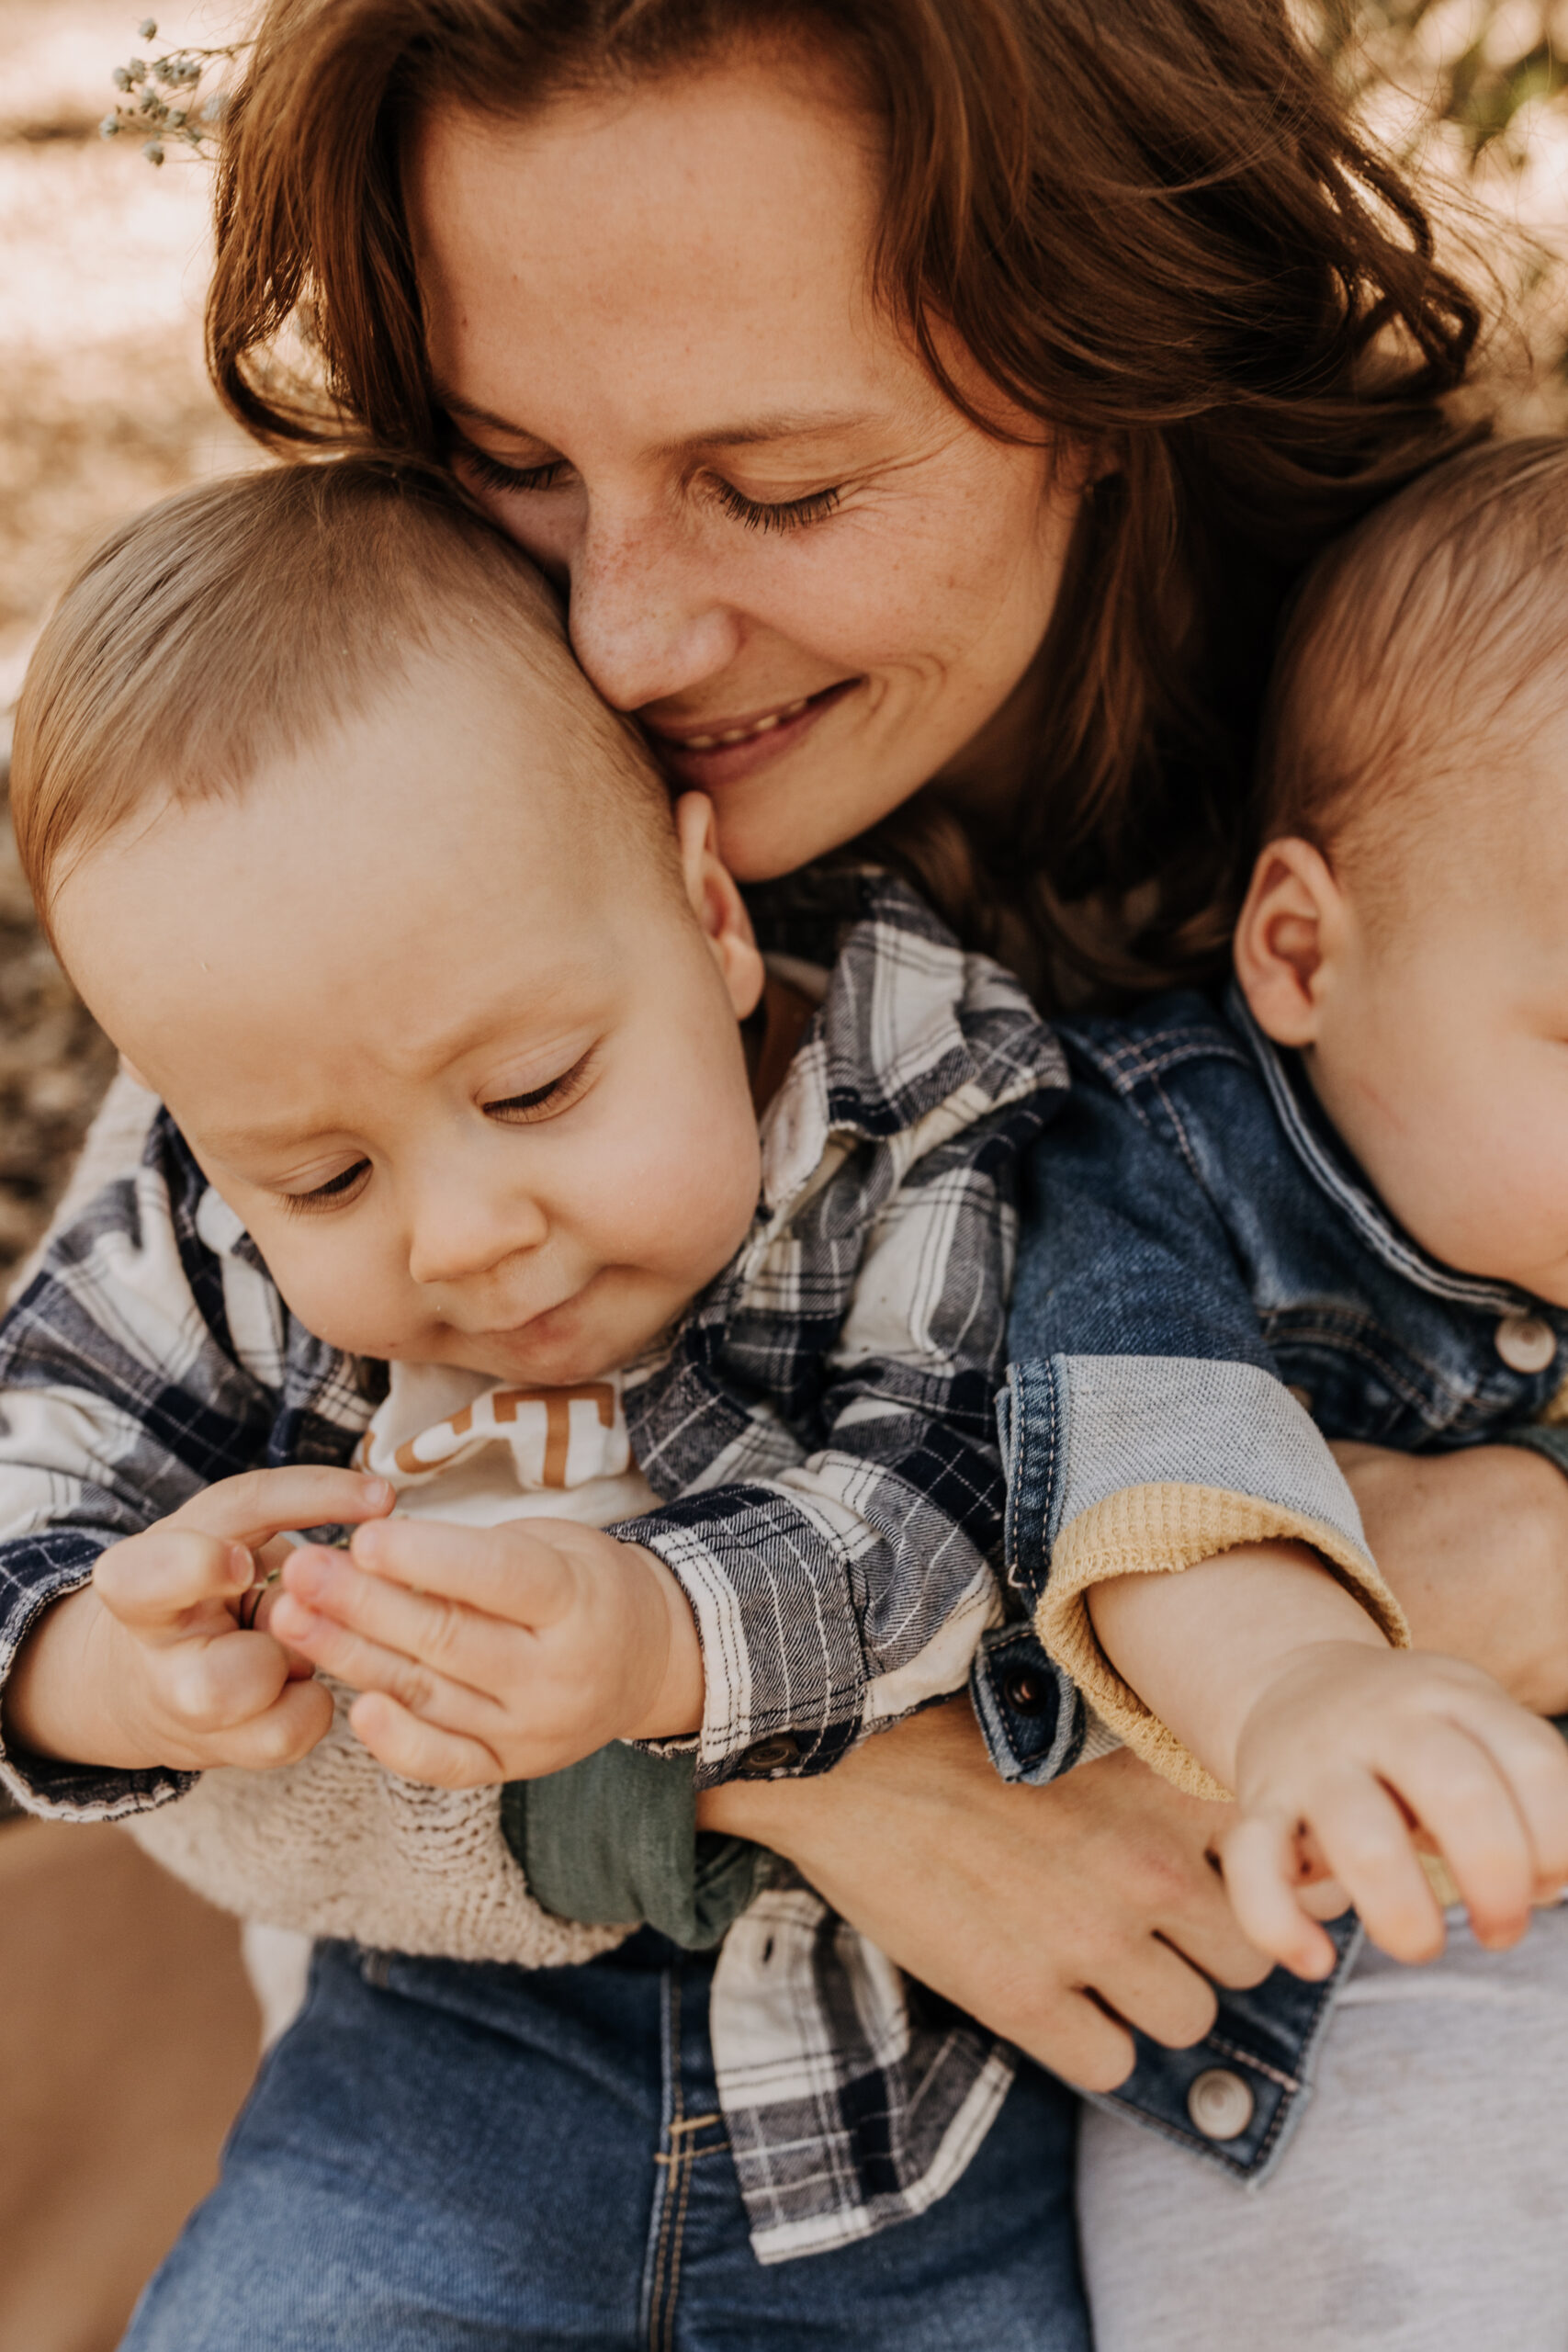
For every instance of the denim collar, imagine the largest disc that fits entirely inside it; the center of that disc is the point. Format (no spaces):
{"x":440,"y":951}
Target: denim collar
{"x":1322,"y":1154}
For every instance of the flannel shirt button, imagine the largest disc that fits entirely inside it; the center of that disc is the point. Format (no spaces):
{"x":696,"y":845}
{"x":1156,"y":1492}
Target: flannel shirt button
{"x":1220,"y":2103}
{"x":769,"y":1756}
{"x":1525,"y":1343}
{"x":1024,"y":1692}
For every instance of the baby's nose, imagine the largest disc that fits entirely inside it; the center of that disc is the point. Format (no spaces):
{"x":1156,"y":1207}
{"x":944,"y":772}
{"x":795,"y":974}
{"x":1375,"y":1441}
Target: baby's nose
{"x":465,"y":1241}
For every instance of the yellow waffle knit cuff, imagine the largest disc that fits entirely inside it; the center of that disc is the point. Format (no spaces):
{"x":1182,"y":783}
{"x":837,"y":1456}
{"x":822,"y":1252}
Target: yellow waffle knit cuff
{"x":1158,"y":1530}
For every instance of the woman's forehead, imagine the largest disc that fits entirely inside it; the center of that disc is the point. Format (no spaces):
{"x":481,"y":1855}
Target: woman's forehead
{"x":713,"y":235}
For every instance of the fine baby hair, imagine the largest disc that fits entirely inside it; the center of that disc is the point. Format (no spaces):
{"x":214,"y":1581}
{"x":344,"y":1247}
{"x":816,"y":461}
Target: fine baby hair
{"x":244,"y":620}
{"x":1425,"y":648}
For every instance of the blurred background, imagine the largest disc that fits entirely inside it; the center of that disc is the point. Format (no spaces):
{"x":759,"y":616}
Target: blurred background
{"x":128,"y":2034}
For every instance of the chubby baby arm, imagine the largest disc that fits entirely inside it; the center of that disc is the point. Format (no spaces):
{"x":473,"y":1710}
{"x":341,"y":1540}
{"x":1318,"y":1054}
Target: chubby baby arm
{"x":152,"y":1664}
{"x":1342,"y":1752}
{"x":485,"y":1655}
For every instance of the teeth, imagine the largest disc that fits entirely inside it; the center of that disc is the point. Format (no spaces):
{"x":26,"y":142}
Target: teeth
{"x":745,"y":734}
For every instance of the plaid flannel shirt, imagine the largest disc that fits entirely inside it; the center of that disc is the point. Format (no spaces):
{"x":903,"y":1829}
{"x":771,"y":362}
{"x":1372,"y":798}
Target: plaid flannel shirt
{"x":822,"y":1420}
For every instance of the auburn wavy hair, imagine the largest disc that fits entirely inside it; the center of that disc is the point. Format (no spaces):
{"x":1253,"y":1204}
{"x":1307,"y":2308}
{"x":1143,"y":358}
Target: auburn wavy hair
{"x":1152,"y":223}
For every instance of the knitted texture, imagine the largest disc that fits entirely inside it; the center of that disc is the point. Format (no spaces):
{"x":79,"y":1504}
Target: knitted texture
{"x":335,"y":1846}
{"x":1158,"y":1530}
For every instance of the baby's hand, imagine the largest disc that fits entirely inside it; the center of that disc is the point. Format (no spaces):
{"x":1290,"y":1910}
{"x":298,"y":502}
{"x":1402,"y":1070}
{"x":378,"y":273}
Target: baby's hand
{"x":498,"y":1653}
{"x":156,"y":1663}
{"x":1353,"y":1754}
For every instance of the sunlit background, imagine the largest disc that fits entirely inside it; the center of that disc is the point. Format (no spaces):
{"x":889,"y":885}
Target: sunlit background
{"x":127,"y":2035}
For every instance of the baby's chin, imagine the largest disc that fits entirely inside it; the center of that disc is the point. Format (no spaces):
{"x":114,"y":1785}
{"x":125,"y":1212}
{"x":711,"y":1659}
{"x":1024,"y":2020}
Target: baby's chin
{"x":563,"y":1349}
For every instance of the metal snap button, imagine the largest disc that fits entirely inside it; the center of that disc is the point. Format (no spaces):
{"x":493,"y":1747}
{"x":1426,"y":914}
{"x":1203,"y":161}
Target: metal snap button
{"x":1525,"y":1343}
{"x":1220,"y":2103}
{"x":1026,"y":1691}
{"x":769,"y":1756}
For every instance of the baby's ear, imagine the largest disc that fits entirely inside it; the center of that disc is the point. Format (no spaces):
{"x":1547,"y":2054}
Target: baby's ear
{"x":1290,"y":929}
{"x":717,"y":903}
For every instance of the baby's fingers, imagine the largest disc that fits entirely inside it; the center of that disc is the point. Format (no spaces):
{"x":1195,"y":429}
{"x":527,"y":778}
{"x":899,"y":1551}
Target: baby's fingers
{"x":1528,"y":1761}
{"x":1261,"y":1863}
{"x":253,"y":1508}
{"x":1453,"y":1787}
{"x":210,"y":1687}
{"x":151,"y":1582}
{"x":416,"y":1750}
{"x":283,"y":1733}
{"x":1365,"y":1839}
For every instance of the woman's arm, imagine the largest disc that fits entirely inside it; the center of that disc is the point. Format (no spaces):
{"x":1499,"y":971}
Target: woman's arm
{"x":1474,"y":1545}
{"x":1058,"y":1916}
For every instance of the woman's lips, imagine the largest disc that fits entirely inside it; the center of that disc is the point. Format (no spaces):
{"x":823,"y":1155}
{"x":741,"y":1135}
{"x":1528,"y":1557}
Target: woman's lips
{"x":724,"y":753}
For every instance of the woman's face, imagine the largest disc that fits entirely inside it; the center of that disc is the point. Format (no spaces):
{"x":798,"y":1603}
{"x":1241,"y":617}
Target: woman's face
{"x":811,"y":579}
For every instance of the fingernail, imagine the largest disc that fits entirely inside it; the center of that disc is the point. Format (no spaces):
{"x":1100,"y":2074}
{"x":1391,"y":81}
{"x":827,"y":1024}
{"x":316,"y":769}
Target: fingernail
{"x":377,"y":1491}
{"x":241,"y":1567}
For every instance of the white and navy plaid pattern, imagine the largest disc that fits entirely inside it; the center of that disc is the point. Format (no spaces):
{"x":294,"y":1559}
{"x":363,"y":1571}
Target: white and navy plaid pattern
{"x":823,"y":1417}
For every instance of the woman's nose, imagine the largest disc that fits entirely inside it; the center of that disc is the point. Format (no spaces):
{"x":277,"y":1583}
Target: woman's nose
{"x":645,"y":622}
{"x":462,"y":1239}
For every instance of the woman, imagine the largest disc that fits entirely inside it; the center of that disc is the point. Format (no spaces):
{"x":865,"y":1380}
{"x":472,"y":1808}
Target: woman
{"x":924,"y":405}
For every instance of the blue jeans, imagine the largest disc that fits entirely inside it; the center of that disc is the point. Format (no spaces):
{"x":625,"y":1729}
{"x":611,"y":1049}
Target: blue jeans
{"x":438,"y":2156}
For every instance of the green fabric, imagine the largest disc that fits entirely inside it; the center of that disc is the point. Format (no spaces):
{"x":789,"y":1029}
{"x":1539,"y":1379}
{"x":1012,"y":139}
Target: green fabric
{"x":614,"y":1839}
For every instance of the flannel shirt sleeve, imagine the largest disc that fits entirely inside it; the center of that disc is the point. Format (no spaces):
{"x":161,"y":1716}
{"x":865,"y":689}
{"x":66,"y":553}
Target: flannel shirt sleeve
{"x":853,"y":1585}
{"x":1146,"y":1424}
{"x":121,"y":1395}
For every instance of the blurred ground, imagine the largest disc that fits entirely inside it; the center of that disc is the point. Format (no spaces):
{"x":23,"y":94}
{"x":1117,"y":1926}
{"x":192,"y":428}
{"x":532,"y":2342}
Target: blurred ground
{"x":128,"y":2031}
{"x":104,"y":406}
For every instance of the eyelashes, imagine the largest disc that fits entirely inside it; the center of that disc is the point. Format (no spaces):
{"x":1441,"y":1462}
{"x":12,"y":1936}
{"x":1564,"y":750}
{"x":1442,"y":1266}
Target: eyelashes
{"x":789,"y":515}
{"x":508,"y":479}
{"x":753,"y":514}
{"x":336,"y":1188}
{"x":525,"y":1109}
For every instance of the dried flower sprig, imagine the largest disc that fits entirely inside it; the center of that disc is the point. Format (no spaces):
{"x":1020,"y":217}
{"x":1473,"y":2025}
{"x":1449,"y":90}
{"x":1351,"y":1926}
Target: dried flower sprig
{"x":169,"y":100}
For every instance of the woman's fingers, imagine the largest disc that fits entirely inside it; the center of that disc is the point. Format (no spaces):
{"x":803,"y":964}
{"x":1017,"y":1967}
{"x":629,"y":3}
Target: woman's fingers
{"x":1076,"y":2037}
{"x":419,"y":1750}
{"x":1147,"y":1980}
{"x":253,"y":1508}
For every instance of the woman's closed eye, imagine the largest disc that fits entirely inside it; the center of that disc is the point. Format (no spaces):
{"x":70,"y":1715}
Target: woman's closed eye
{"x":754,"y":514}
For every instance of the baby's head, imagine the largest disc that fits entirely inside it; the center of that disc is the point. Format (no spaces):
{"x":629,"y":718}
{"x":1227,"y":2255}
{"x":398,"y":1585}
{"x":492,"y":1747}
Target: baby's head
{"x":1407,"y":920}
{"x":354,"y":868}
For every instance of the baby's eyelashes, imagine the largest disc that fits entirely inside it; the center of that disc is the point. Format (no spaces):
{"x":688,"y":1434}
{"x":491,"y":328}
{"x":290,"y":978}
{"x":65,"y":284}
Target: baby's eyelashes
{"x":336,"y":1190}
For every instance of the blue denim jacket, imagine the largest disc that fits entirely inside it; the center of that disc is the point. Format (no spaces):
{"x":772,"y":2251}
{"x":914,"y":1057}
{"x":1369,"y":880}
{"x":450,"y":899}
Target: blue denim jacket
{"x":1208,"y":1289}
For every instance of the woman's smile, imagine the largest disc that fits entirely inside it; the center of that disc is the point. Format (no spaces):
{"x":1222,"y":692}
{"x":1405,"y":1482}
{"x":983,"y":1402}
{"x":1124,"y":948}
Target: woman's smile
{"x":721,"y":750}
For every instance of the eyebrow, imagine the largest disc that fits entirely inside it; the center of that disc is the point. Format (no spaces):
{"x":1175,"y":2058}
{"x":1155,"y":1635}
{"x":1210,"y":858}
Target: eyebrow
{"x":782,"y":425}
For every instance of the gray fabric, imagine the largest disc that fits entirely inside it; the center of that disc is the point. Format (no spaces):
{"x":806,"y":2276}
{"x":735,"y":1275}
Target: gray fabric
{"x":1419,"y":2207}
{"x":615,"y":1838}
{"x":1550,"y":1438}
{"x":1135,"y":1420}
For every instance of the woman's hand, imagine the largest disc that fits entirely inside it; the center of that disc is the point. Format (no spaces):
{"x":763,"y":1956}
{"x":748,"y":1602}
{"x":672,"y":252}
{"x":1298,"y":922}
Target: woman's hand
{"x":1475,"y":1547}
{"x":1057,"y":1915}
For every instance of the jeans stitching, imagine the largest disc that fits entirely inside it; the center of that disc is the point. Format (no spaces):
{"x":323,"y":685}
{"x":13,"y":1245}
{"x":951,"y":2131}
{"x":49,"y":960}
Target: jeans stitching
{"x":661,"y":2316}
